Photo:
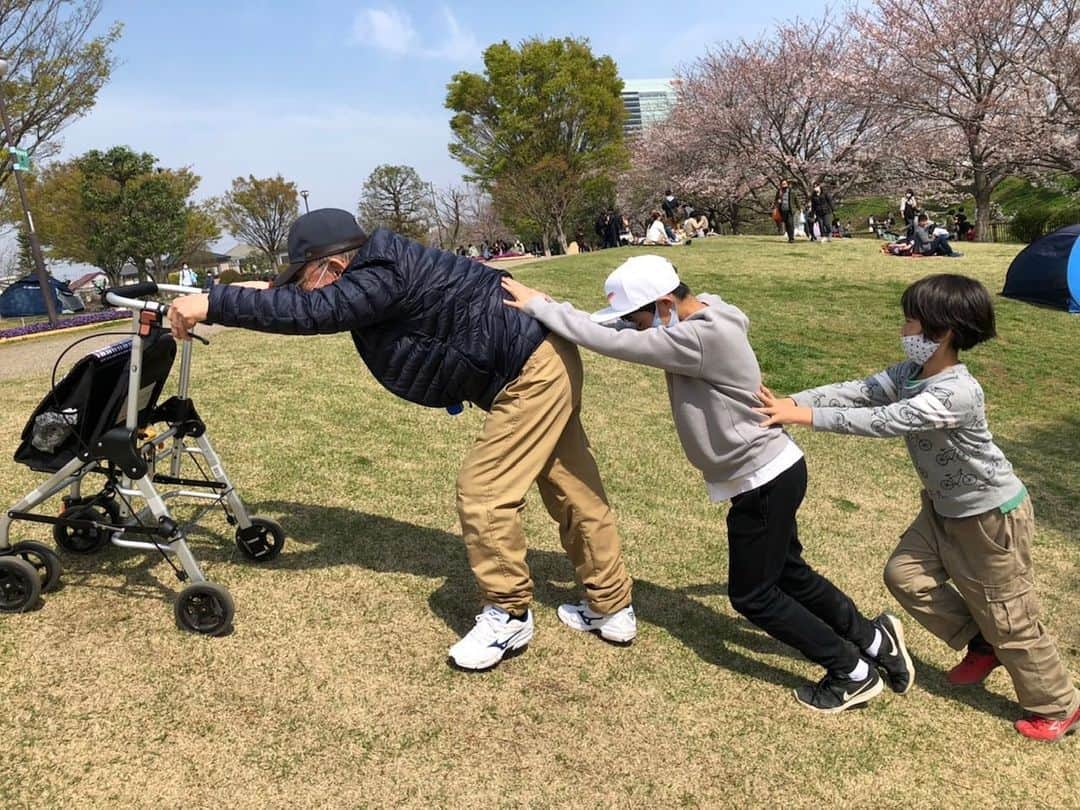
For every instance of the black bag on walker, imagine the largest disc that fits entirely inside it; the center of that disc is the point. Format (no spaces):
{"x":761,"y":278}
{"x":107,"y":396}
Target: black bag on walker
{"x":90,"y":399}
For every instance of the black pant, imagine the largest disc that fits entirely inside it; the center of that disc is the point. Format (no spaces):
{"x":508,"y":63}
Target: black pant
{"x":789,"y":224}
{"x":825,"y":221}
{"x":941,"y":246}
{"x":771,"y":585}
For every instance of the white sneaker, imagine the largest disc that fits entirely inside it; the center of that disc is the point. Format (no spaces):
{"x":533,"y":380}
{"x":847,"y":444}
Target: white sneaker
{"x":496,"y":633}
{"x":620,"y":626}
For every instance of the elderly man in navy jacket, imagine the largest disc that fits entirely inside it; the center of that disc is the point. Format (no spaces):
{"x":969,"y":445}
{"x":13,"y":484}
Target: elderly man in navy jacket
{"x":431,"y":326}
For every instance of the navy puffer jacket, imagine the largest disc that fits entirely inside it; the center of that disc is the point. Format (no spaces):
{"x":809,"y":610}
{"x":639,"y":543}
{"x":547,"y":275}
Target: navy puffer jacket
{"x":431,"y":325}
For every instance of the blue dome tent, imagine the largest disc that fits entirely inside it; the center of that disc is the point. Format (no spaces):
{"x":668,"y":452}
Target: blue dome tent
{"x":1047,"y":271}
{"x":23,"y":298}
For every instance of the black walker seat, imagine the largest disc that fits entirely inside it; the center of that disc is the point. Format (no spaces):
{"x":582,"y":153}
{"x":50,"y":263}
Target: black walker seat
{"x":96,"y":389}
{"x":84,"y":426}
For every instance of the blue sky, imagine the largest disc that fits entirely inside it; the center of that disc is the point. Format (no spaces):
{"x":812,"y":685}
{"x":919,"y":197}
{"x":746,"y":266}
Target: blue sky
{"x":323,"y":91}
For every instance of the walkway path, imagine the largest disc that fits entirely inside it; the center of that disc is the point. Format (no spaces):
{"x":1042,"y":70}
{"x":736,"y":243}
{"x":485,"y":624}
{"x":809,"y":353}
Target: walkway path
{"x":37,"y":355}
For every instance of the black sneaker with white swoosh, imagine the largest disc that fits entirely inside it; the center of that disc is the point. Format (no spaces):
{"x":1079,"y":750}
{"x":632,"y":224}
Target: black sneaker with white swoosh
{"x":834,"y":693}
{"x":893,"y":658}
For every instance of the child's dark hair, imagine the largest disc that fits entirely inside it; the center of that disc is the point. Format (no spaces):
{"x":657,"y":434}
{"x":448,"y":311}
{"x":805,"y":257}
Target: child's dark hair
{"x":681,"y":292}
{"x":947,"y":302}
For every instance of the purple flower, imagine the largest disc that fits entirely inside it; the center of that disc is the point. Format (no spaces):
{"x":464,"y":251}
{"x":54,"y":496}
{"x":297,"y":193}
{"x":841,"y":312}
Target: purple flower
{"x":75,"y":320}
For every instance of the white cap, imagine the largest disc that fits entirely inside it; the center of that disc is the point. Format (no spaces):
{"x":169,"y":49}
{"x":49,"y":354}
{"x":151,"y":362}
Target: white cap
{"x":638,"y":281}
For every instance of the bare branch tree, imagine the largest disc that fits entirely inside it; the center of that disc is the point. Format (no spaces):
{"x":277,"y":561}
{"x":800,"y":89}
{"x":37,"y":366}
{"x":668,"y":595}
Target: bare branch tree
{"x":395,"y":197}
{"x":450,"y":214}
{"x":55,"y":69}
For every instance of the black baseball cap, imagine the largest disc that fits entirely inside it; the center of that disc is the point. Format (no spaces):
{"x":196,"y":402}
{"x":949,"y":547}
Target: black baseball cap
{"x":318,"y":234}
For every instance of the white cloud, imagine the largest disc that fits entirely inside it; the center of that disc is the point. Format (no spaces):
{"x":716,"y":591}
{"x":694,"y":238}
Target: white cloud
{"x":461,"y":45}
{"x":391,"y":29}
{"x":386,"y":30}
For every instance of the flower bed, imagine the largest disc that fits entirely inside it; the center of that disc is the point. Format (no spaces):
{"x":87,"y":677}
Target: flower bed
{"x":77,"y":320}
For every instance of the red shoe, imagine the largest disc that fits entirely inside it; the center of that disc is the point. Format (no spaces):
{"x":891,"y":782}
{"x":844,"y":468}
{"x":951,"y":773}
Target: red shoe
{"x":973,"y":669}
{"x":1037,"y":727}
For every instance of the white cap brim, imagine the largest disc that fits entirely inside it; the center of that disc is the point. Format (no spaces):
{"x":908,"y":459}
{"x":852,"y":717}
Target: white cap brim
{"x":608,"y":314}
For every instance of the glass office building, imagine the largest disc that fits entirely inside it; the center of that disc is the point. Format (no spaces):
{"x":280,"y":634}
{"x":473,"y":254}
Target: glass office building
{"x":647,"y":101}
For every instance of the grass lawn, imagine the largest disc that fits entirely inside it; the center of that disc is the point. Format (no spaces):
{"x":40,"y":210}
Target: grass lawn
{"x":334,"y":690}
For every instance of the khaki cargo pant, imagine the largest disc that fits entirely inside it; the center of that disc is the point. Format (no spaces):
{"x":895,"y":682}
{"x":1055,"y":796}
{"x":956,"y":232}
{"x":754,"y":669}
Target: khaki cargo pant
{"x":534,"y":433}
{"x":987,"y":557}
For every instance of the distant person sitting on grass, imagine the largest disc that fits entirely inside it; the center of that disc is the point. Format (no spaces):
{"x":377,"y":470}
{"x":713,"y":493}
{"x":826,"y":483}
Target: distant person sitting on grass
{"x":432,"y":328}
{"x":929,"y":241}
{"x":659,"y":233}
{"x":702,"y":344}
{"x":696,"y":225}
{"x":963,"y":568}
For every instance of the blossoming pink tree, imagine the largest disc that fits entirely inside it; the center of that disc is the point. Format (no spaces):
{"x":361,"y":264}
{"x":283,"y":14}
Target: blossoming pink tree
{"x":974,"y":83}
{"x":749,"y":113}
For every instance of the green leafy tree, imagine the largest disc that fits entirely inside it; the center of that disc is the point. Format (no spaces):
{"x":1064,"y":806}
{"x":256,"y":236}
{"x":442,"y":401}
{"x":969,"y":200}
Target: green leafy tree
{"x":259,"y":211}
{"x":136,"y":210}
{"x":55,"y":68}
{"x":110,"y":208}
{"x":542,"y":121}
{"x":395,"y":197}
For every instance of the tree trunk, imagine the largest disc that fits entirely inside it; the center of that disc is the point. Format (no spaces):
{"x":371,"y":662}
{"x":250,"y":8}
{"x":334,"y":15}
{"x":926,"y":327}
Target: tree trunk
{"x":547,"y":242}
{"x":734,"y":218}
{"x":561,"y":236}
{"x":982,"y":189}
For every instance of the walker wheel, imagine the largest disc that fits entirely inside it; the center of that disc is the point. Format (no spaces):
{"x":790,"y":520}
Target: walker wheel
{"x":43,"y":559}
{"x":262,"y":541}
{"x":205,"y":608}
{"x":82,"y":540}
{"x":20,"y":585}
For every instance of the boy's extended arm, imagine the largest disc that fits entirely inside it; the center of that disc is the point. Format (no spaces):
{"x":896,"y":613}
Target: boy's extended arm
{"x":936,"y":408}
{"x":675,"y":350}
{"x":880,"y":389}
{"x":361,"y":297}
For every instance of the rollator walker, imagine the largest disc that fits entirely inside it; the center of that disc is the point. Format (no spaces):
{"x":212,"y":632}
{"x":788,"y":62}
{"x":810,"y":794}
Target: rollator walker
{"x":103,"y":420}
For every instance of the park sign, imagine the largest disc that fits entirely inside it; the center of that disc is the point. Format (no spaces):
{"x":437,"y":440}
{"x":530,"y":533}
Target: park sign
{"x":20,"y":159}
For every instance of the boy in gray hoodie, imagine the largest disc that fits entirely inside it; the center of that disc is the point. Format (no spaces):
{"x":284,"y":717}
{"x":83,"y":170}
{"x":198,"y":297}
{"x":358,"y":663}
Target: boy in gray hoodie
{"x":712,"y":379}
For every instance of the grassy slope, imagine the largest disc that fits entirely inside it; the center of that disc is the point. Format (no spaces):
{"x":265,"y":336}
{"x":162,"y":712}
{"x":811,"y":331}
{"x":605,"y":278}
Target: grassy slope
{"x":1012,"y":196}
{"x":334,"y":691}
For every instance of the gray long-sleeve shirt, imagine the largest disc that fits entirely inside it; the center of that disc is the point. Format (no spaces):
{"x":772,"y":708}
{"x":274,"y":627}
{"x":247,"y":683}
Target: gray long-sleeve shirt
{"x":942,"y":419}
{"x":712,"y":378}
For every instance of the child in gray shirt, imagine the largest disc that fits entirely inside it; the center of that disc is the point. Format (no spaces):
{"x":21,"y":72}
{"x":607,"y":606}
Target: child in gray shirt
{"x":712,"y":378}
{"x":963,"y":568}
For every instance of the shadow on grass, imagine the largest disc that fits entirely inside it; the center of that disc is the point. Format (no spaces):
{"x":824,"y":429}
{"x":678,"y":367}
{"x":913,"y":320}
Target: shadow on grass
{"x":1043,"y":459}
{"x":327,"y":537}
{"x":334,"y":536}
{"x":931,"y":679}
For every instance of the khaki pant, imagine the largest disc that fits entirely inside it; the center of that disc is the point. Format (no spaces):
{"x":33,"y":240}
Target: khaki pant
{"x":987,"y":557}
{"x":534,"y":433}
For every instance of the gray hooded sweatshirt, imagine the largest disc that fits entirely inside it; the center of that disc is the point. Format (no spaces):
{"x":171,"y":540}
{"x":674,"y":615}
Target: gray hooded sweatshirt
{"x":942,"y":419}
{"x":712,"y":379}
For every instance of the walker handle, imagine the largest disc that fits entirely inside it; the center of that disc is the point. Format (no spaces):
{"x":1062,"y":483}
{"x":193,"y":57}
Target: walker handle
{"x":141,"y":290}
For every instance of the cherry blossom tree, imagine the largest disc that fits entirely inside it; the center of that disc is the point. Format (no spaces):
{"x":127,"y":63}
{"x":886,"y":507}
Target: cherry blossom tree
{"x":975,"y":82}
{"x":749,"y":113}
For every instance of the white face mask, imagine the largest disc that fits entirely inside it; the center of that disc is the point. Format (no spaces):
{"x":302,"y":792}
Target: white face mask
{"x":657,"y":323}
{"x":918,"y":349}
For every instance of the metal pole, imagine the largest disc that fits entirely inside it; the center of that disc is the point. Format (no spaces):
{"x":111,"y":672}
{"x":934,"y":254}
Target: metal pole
{"x":31,"y":235}
{"x":304,"y":195}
